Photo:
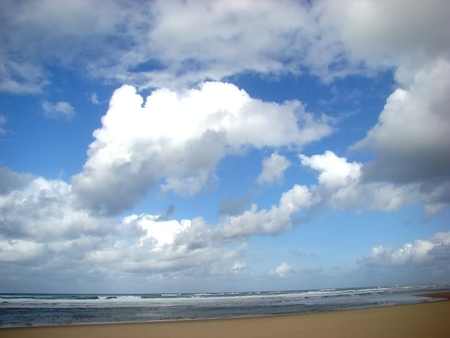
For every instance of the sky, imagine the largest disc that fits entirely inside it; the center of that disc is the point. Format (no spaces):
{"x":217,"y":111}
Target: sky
{"x":198,"y":146}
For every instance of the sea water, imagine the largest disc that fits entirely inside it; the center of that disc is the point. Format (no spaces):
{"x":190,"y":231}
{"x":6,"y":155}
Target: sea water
{"x":19,"y":310}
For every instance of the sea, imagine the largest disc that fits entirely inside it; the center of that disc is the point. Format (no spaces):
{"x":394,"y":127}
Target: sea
{"x":23,"y":310}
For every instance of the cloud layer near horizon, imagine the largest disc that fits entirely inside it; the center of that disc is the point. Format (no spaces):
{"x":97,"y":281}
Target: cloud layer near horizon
{"x":143,"y":244}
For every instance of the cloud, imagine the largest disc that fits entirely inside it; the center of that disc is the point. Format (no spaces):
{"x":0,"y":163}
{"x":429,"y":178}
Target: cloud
{"x":3,"y":121}
{"x":297,"y":252}
{"x":168,"y":214}
{"x":229,"y":37}
{"x":177,"y":44}
{"x":334,"y":171}
{"x":273,"y":169}
{"x":410,"y":137}
{"x":284,"y":270}
{"x":340,"y":186}
{"x":179,"y":137}
{"x":429,"y":256}
{"x":38,"y":34}
{"x":411,"y":140}
{"x":60,"y":110}
{"x":376,"y":33}
{"x":18,"y":250}
{"x":11,"y":180}
{"x":94,"y":99}
{"x":252,"y":222}
{"x":156,"y":44}
{"x":31,"y":209}
{"x":267,"y":222}
{"x":160,"y":247}
{"x":162,"y":232}
{"x":45,"y":232}
{"x":21,"y":77}
{"x":230,"y":206}
{"x":43,"y":223}
{"x":238,"y":267}
{"x":167,"y":247}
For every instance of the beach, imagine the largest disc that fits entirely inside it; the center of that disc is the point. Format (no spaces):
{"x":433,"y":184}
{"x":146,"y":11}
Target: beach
{"x":414,"y":320}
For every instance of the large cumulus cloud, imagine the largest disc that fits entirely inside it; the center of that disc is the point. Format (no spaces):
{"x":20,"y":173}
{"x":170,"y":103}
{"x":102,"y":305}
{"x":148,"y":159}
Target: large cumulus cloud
{"x":411,"y":140}
{"x":179,"y":137}
{"x":410,"y":38}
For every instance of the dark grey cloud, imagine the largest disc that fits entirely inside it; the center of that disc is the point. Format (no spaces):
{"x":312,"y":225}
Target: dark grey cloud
{"x":410,"y":141}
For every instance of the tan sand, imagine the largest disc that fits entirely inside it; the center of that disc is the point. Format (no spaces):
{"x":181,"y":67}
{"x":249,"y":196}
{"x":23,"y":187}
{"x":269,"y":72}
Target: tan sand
{"x":417,"y":320}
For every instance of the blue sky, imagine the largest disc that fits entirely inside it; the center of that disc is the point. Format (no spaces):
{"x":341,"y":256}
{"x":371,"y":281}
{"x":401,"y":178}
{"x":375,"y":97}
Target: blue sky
{"x":177,"y":146}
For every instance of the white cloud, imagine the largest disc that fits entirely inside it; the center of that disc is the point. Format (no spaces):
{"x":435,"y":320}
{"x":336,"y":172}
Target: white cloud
{"x":94,"y":99}
{"x":334,"y":171}
{"x":187,"y":41}
{"x":59,"y":110}
{"x":163,"y":232}
{"x":152,"y":245}
{"x":43,"y":210}
{"x":238,"y":266}
{"x":431,"y":254}
{"x":284,"y":270}
{"x":273,"y":169}
{"x":180,"y":137}
{"x":228,"y":37}
{"x":267,"y":222}
{"x":340,"y":186}
{"x":43,"y":221}
{"x":168,"y":247}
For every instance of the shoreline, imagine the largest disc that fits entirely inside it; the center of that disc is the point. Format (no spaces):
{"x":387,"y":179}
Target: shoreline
{"x":438,"y":297}
{"x":409,"y":320}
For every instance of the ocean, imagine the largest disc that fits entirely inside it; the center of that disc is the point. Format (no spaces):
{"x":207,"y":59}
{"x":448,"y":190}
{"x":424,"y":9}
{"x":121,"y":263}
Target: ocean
{"x":20,"y":310}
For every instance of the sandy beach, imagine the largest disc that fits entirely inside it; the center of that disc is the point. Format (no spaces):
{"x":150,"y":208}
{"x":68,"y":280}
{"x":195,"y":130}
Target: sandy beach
{"x":417,"y":320}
